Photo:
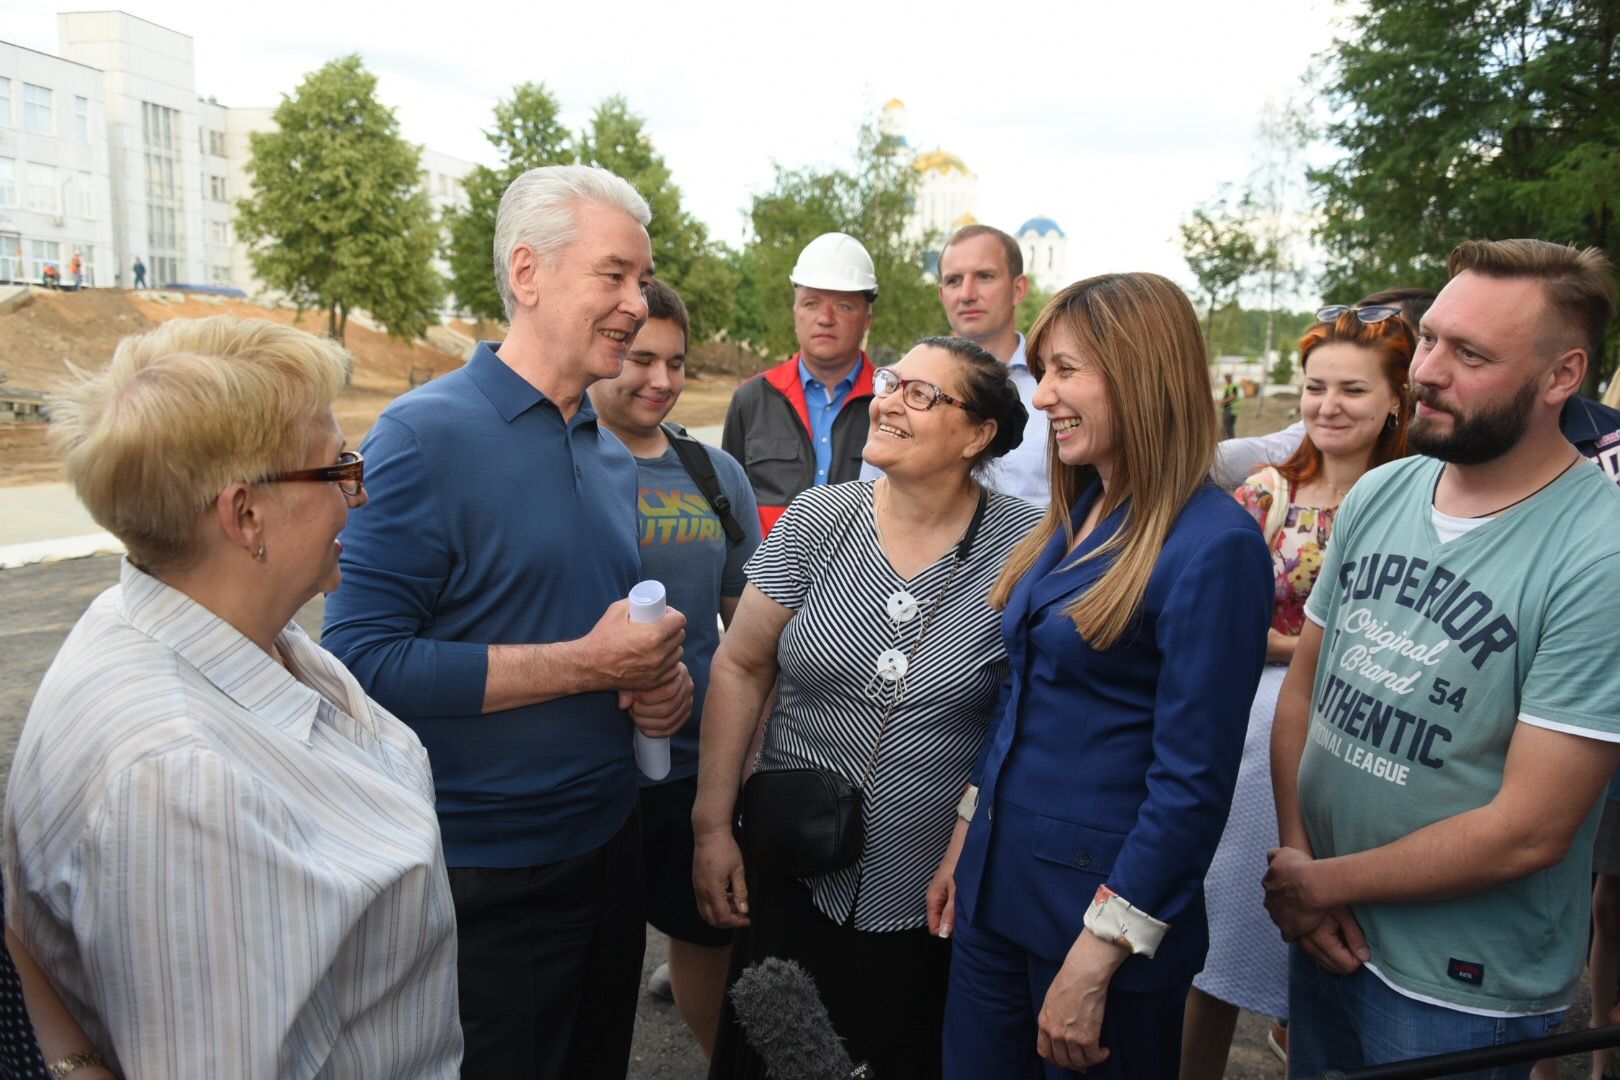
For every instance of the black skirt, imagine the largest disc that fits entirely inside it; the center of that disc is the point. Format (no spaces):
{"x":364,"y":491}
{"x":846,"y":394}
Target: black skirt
{"x":885,"y":992}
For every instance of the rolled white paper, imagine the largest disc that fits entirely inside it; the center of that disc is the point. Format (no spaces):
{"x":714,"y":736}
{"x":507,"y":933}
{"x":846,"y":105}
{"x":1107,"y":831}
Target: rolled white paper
{"x":647,"y":606}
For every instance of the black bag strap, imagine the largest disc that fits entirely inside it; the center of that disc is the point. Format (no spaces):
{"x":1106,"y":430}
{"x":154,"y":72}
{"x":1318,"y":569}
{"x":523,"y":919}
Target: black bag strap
{"x":695,"y":460}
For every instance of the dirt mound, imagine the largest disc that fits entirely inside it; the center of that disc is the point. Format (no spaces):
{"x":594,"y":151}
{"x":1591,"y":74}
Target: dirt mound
{"x":40,"y":338}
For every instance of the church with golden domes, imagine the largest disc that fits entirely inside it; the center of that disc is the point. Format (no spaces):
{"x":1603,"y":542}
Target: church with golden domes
{"x":947,"y":200}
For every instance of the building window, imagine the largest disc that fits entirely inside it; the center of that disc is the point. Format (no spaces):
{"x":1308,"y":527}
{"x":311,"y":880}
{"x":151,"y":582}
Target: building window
{"x":8,"y":182}
{"x":11,"y":257}
{"x":219,"y":232}
{"x":216,"y":188}
{"x":220,"y":275}
{"x":37,"y":110}
{"x":39,"y":190}
{"x":84,"y":196}
{"x":5,"y":102}
{"x":160,"y":127}
{"x":42,"y":253}
{"x":216,"y":143}
{"x":162,"y":228}
{"x":1051,"y":256}
{"x":81,"y":119}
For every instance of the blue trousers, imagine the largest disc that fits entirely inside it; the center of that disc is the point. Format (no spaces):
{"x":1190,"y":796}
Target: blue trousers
{"x":1351,"y":1021}
{"x":996,"y":991}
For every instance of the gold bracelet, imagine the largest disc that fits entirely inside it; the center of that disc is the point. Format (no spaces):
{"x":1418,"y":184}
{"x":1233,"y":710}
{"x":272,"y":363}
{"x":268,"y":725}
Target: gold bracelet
{"x":71,"y":1064}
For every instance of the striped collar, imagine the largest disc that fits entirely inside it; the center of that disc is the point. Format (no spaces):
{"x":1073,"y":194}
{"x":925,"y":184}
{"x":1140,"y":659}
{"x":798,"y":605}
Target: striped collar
{"x":236,"y":666}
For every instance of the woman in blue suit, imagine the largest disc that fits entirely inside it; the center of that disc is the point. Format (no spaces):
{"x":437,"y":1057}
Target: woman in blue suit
{"x":1135,"y":619}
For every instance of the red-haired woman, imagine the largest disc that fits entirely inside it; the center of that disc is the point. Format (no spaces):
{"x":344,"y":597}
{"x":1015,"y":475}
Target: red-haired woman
{"x":1354,"y":405}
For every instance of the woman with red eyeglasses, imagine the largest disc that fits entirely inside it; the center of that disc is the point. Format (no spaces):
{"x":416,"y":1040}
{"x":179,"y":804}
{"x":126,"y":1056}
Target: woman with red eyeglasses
{"x":866,"y":609}
{"x":223,"y":853}
{"x":1353,"y":402}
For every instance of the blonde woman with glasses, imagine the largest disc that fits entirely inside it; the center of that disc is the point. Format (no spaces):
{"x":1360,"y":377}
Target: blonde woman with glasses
{"x":1135,"y":622}
{"x":222,"y":852}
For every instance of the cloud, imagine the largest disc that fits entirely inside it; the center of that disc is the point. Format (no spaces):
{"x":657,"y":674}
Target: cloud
{"x":1113,"y":119}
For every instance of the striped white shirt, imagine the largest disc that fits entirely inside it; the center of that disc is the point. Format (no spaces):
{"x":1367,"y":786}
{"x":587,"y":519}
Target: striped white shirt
{"x":823,"y":561}
{"x":229,"y":869}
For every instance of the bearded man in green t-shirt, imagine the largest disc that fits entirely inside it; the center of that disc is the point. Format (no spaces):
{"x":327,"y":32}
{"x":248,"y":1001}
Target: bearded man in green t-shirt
{"x":1452,"y":714}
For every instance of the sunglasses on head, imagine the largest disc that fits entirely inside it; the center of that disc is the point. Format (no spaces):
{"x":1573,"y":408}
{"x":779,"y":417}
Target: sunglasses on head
{"x":1371,"y":314}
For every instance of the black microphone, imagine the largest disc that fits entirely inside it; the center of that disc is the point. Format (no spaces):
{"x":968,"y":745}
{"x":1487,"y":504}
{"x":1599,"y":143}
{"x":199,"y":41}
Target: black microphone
{"x":784,"y":1020}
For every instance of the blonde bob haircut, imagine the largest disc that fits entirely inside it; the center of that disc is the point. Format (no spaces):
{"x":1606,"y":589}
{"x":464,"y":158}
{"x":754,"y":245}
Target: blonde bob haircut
{"x":180,"y":412}
{"x":1140,"y":333}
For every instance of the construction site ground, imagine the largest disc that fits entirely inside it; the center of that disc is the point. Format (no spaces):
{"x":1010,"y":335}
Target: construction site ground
{"x":46,"y":332}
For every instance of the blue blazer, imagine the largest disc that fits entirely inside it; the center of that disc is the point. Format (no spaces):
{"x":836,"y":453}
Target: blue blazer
{"x":1118,"y":765}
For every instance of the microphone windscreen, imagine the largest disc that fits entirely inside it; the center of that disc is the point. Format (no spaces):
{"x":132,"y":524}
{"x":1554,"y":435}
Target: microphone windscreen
{"x":786,"y":1023}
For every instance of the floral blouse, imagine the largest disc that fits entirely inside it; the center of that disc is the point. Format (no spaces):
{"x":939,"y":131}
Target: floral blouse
{"x":1296,"y":552}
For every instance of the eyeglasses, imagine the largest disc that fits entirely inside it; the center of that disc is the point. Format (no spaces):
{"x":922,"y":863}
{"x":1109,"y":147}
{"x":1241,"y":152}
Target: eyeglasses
{"x":348,"y":474}
{"x":1371,"y":314}
{"x":916,"y":393}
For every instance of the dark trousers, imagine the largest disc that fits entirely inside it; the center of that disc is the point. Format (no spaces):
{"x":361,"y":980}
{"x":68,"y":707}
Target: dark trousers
{"x":997,"y":990}
{"x":1228,"y":424}
{"x":549,"y":963}
{"x":884,"y":992}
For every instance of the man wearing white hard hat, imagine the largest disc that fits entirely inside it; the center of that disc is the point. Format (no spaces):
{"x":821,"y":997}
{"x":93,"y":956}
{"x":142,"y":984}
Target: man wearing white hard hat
{"x":804,"y":422}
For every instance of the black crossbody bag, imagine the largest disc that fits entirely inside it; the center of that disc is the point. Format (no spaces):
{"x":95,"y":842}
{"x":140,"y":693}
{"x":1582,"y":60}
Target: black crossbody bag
{"x":803,"y":822}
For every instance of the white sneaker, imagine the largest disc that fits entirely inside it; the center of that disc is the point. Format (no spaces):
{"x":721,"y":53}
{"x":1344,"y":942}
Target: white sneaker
{"x":658,"y":984}
{"x":1277,"y":1040}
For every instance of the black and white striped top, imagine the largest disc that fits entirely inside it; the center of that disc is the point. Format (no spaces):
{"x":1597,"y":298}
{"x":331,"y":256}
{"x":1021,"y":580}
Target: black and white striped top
{"x":824,"y":562}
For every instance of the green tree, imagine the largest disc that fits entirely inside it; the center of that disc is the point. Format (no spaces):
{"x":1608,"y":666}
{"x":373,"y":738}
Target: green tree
{"x":335,"y":218}
{"x":1034,"y":300}
{"x":617,"y":140}
{"x":1276,"y":191}
{"x":871,"y":201}
{"x":528,"y":133}
{"x":1217,"y":241}
{"x":1461,"y":119}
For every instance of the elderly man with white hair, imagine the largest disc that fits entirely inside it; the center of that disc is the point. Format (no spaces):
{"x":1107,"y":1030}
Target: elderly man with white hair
{"x":484,"y":604}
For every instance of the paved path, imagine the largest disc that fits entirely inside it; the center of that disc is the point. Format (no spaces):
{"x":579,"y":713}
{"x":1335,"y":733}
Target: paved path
{"x":46,"y":522}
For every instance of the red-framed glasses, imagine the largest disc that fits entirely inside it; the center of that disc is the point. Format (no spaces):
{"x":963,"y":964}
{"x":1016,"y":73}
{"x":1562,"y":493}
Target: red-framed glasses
{"x":348,"y":474}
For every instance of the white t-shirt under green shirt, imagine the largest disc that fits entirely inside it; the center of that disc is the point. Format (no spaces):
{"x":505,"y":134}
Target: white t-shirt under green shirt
{"x":1433,"y":651}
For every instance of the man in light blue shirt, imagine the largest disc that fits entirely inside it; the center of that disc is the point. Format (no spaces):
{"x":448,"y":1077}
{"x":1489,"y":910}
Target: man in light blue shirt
{"x":981,"y":283}
{"x":823,"y":403}
{"x":803,"y":423}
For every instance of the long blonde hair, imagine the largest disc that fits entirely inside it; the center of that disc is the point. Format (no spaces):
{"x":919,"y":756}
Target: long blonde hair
{"x":1140,"y":332}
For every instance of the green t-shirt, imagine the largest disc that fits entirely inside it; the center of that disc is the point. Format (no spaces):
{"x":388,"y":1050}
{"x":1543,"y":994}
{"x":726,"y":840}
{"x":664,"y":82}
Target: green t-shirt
{"x":1431,"y":655}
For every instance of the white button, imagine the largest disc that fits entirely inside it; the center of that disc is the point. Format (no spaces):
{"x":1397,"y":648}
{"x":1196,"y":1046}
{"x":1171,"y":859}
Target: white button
{"x":902,"y":606}
{"x":892,"y":665}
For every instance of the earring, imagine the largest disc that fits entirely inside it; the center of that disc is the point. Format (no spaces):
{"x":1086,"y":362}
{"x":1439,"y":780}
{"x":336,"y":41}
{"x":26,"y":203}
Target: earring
{"x":260,"y":555}
{"x":1393,"y":422}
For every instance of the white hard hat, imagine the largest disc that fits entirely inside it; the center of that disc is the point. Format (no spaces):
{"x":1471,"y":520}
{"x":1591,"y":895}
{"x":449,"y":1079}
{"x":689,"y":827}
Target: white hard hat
{"x":835,"y":261}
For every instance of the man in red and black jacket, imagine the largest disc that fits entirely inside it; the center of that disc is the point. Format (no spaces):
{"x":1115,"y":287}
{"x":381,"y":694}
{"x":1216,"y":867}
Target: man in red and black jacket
{"x":804,"y":422}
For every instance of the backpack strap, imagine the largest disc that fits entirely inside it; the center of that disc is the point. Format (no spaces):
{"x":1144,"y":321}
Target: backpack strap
{"x":695,"y":460}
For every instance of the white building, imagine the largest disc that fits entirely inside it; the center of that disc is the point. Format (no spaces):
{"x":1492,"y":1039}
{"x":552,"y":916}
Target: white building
{"x":947,"y":200}
{"x":1046,"y":253}
{"x":55,"y":196}
{"x":108,"y":149}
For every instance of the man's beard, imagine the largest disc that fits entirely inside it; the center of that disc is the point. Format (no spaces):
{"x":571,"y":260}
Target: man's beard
{"x":1474,"y":440}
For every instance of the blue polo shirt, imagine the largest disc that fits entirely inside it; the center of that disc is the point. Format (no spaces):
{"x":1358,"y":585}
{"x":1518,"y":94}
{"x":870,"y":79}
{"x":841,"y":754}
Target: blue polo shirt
{"x":823,"y":411}
{"x":491,"y":521}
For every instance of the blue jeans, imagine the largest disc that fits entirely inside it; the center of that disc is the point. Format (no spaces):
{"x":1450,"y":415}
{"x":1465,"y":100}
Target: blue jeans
{"x":1351,"y":1021}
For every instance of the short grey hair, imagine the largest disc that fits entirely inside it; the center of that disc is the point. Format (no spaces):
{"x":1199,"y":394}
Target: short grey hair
{"x":538,"y":210}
